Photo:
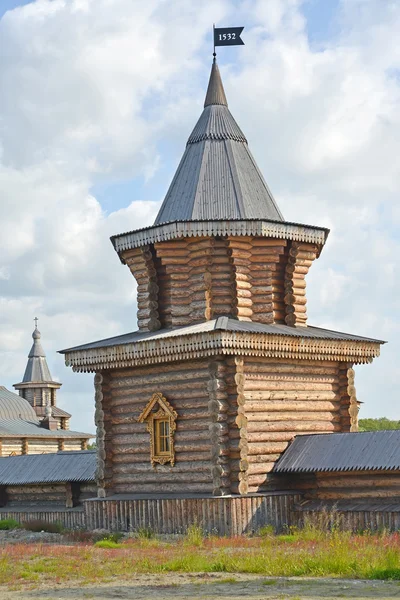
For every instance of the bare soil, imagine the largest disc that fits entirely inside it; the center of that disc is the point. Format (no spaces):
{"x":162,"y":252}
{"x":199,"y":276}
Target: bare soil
{"x":212,"y":586}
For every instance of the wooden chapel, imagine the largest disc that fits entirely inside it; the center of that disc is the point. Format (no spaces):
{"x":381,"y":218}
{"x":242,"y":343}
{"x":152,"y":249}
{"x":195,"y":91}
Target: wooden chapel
{"x":224,"y":369}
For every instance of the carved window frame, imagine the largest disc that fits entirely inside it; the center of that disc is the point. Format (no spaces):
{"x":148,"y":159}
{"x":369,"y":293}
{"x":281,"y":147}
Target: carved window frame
{"x":165,"y":413}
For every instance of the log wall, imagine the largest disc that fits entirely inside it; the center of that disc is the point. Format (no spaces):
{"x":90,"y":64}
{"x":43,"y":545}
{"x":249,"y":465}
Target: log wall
{"x":236,"y":415}
{"x":189,"y":280}
{"x":282,"y":400}
{"x":126,"y":443}
{"x":18,"y":495}
{"x":350,"y":485}
{"x":299,"y":260}
{"x":17,"y":446}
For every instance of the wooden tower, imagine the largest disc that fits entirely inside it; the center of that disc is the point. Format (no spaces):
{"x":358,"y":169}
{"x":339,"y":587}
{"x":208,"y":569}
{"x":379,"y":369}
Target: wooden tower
{"x":224,"y":370}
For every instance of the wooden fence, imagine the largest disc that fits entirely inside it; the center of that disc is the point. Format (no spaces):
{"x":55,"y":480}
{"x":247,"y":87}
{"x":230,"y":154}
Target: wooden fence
{"x":69,"y":518}
{"x":221,"y":515}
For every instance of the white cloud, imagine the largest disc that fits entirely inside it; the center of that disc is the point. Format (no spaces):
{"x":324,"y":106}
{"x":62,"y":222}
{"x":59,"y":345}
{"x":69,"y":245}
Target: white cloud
{"x":98,"y":91}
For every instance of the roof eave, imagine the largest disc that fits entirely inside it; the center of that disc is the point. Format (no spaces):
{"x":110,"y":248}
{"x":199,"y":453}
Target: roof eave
{"x":186,"y":347}
{"x":258,"y":227}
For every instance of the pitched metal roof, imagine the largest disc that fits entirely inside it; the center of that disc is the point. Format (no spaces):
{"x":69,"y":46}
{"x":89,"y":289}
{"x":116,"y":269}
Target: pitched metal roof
{"x":37,"y":370}
{"x":13,"y":406}
{"x":217,"y":177}
{"x":55,"y":411}
{"x":222,"y":324}
{"x":378,"y":450}
{"x":21,"y":428}
{"x":48,"y":468}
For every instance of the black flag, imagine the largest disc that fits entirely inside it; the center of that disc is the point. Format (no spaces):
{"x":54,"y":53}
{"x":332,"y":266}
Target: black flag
{"x":228,"y":36}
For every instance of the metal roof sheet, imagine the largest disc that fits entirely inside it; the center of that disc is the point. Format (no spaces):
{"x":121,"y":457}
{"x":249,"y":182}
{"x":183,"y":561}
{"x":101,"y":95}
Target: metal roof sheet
{"x":378,"y":450}
{"x":222,"y":324}
{"x":21,"y":428}
{"x":13,"y":406}
{"x":217,"y":177}
{"x":48,"y":468}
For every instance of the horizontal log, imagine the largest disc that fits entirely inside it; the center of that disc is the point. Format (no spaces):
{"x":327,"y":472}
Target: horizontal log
{"x":272,"y":363}
{"x":293,"y":386}
{"x":354,"y":480}
{"x":166,"y":471}
{"x":302,"y":426}
{"x":367,"y":492}
{"x":260,"y":417}
{"x":157,"y":476}
{"x":294,"y":405}
{"x":199,"y":487}
{"x":259,"y":469}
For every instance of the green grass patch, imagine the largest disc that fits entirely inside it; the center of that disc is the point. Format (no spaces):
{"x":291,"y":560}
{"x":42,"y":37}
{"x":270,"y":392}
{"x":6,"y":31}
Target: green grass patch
{"x":107,"y":544}
{"x":9,"y":524}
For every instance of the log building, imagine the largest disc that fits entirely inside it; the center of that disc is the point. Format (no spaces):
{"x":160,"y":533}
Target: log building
{"x":31,"y":422}
{"x":224,"y":369}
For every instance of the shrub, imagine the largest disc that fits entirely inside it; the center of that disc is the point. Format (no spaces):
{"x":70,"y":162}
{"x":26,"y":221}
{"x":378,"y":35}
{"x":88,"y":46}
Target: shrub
{"x":267,"y":531}
{"x":9,"y":524}
{"x":40,"y":525}
{"x":194,"y":535}
{"x":107,"y":544}
{"x":145,"y":533}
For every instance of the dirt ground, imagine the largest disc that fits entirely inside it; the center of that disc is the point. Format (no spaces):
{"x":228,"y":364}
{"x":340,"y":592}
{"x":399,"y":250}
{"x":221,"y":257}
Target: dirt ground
{"x":213,"y":586}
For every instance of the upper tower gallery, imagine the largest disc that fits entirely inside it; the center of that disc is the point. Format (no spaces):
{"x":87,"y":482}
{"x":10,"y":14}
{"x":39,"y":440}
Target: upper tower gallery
{"x":219,"y":245}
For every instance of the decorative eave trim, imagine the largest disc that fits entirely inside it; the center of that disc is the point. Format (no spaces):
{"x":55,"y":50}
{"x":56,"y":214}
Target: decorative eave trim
{"x":182,"y":229}
{"x":187,"y":347}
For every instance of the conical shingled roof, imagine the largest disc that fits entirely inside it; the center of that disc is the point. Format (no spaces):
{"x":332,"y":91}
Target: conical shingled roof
{"x":37,"y":370}
{"x":217,"y":177}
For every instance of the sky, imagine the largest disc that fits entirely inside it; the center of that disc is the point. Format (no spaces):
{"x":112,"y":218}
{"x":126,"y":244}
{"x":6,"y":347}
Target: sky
{"x":97,"y":100}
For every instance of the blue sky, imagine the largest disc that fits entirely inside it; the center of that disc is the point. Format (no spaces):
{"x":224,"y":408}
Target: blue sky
{"x":97,"y":102}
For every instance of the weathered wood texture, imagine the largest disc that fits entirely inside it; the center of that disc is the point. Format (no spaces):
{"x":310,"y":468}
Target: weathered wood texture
{"x":300,"y":258}
{"x":141,"y":262}
{"x":125,"y":444}
{"x":236,"y":415}
{"x":371,"y":485}
{"x":282,"y":400}
{"x":370,"y":519}
{"x":50,"y":494}
{"x":73,"y":518}
{"x":189,"y":280}
{"x":17,"y":446}
{"x":224,"y":515}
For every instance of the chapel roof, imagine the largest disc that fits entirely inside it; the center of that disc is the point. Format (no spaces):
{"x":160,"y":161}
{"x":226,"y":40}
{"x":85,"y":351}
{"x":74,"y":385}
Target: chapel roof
{"x":37,"y":369}
{"x":12,"y":406}
{"x":217,"y":177}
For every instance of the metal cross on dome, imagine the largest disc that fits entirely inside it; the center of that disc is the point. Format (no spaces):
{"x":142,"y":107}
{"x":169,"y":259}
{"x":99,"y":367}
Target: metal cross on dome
{"x":36,"y":322}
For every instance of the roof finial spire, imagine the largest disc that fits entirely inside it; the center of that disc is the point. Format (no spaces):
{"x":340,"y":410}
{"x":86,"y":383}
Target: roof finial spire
{"x":36,"y":322}
{"x":215,"y":91}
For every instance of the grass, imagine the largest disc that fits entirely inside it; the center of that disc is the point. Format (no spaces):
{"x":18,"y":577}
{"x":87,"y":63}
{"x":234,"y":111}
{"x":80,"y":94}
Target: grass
{"x":309,"y":552}
{"x":9,"y":524}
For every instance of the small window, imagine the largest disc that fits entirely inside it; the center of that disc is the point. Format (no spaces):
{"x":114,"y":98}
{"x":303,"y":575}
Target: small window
{"x":161,"y":424}
{"x":161,"y":436}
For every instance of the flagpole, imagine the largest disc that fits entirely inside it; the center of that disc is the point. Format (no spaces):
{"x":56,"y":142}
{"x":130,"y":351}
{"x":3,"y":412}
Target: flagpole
{"x":214,"y":53}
